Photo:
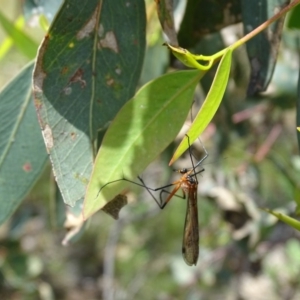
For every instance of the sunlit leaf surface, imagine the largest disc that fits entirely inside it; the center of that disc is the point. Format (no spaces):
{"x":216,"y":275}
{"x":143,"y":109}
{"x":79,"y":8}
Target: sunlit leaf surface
{"x":144,"y":127}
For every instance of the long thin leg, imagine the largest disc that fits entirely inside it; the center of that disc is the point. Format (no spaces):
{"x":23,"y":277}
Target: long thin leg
{"x":160,"y":203}
{"x":173,"y":193}
{"x":203,"y":158}
{"x":194,"y":166}
{"x":139,"y":184}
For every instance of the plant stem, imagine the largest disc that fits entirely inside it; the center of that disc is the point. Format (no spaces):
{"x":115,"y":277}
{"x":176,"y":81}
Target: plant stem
{"x":263,"y":26}
{"x":257,"y":30}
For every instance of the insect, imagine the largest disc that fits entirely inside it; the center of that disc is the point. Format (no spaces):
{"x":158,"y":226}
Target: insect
{"x":189,"y":185}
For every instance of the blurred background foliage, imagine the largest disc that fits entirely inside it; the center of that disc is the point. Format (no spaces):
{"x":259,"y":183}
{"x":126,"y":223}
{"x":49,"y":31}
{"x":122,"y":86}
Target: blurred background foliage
{"x":253,"y":162}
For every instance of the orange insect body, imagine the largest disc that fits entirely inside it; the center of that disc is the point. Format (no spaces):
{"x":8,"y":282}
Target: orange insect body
{"x":190,"y":242}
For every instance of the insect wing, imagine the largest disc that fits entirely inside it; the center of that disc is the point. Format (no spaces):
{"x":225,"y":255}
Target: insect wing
{"x":190,"y":243}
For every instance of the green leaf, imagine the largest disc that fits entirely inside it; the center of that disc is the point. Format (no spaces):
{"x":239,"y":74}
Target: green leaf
{"x":24,"y":42}
{"x":201,"y":18}
{"x":22,"y":151}
{"x":210,"y":105}
{"x":8,"y":42}
{"x":263,"y":48}
{"x":294,"y":18}
{"x":158,"y":54}
{"x":143,"y":128}
{"x":165,"y":15}
{"x":284,"y":218}
{"x":87,"y":68}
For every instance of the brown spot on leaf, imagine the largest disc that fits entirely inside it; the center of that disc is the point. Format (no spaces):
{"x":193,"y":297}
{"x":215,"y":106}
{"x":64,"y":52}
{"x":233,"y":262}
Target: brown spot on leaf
{"x":73,"y":136}
{"x":27,"y":167}
{"x":73,"y":224}
{"x":48,"y":137}
{"x":110,"y":81}
{"x":64,"y":70}
{"x":80,"y":177}
{"x":38,"y":74}
{"x":67,"y":90}
{"x":89,"y":26}
{"x":101,"y":31}
{"x":109,"y":41}
{"x":118,"y":71}
{"x":77,"y":77}
{"x":113,"y":83}
{"x":37,"y":103}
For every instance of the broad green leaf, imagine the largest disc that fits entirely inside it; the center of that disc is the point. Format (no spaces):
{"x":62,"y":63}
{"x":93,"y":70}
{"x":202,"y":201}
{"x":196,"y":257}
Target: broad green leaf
{"x":210,"y":105}
{"x":284,"y":218}
{"x":158,"y":54}
{"x":24,"y":42}
{"x":22,"y":151}
{"x":88,"y":66}
{"x":143,"y":128}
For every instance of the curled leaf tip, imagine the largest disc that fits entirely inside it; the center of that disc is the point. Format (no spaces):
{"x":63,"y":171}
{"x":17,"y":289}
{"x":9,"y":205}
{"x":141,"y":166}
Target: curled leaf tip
{"x":171,"y":161}
{"x":190,"y":60}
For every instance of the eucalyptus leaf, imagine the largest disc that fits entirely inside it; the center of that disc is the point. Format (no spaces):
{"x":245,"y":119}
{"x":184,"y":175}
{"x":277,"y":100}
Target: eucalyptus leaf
{"x":263,"y":48}
{"x":88,"y":66}
{"x":22,"y":151}
{"x":165,"y":15}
